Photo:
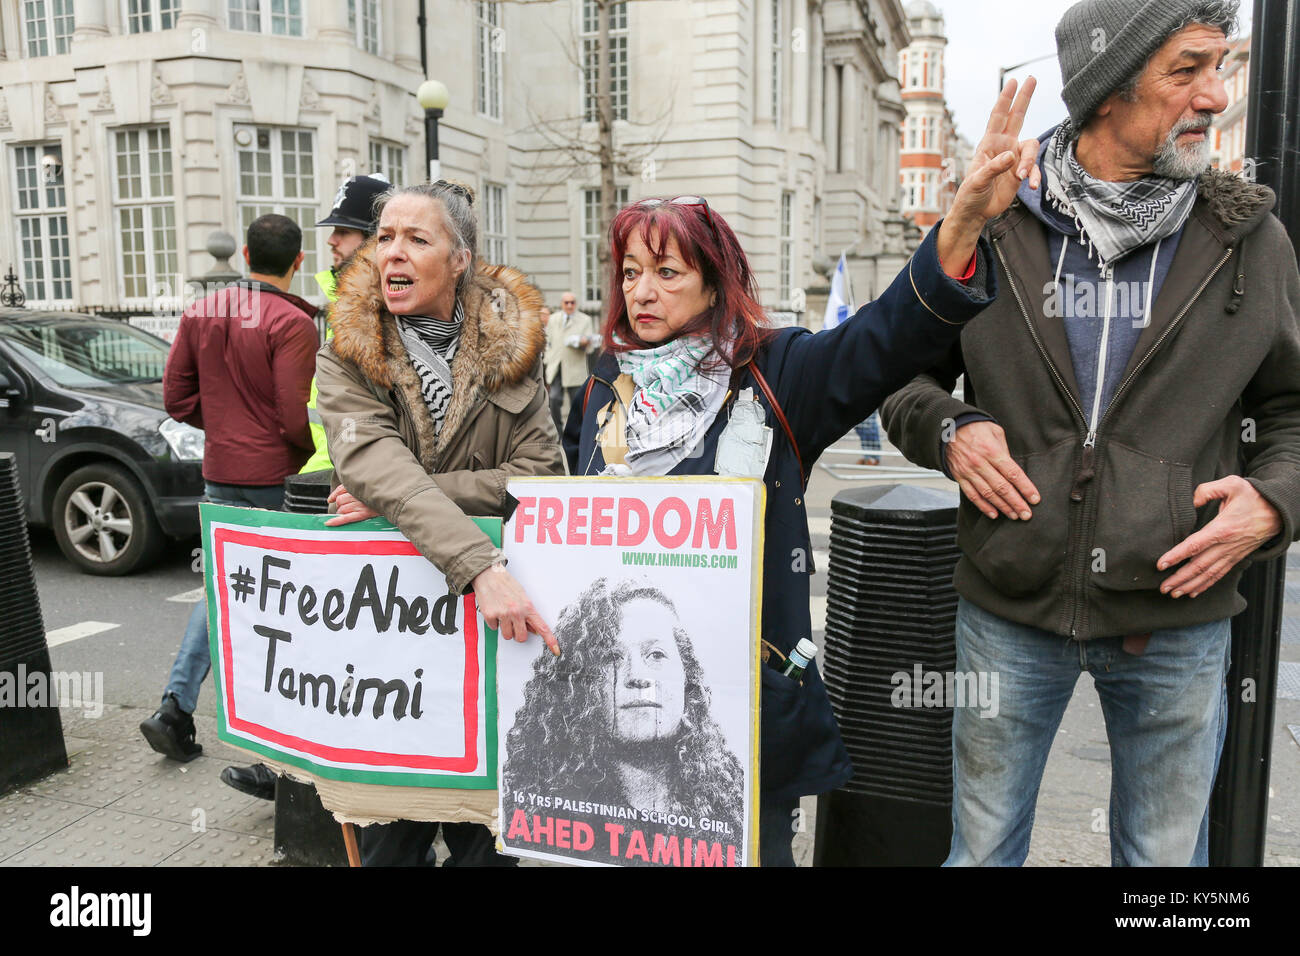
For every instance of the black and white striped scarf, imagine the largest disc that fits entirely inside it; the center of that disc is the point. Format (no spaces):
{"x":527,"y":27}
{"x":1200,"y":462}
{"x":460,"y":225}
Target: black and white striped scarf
{"x":431,"y":346}
{"x":1113,"y":218}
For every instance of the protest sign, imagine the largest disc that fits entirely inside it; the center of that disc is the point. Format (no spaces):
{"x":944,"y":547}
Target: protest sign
{"x":638,"y":746}
{"x":340,"y":652}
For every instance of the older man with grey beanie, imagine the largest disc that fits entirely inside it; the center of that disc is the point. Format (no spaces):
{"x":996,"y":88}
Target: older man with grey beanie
{"x":1131,"y":439}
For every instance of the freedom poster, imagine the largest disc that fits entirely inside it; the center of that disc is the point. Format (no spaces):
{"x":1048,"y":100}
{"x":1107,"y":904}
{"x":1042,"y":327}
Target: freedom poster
{"x":638,"y":746}
{"x":340,"y":652}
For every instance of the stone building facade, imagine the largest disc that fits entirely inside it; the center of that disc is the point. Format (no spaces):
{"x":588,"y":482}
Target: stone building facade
{"x":130,"y":130}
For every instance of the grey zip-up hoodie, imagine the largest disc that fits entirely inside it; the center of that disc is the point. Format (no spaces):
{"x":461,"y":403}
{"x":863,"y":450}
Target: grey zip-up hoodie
{"x":1210,"y":387}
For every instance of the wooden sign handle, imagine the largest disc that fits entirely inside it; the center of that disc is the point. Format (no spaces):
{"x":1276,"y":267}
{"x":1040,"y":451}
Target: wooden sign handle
{"x":350,"y":842}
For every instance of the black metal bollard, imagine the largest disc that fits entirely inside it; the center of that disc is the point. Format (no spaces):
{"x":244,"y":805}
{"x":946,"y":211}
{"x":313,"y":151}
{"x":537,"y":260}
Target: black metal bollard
{"x":308,"y":494}
{"x":31,"y":732}
{"x":890,"y":609}
{"x":306,"y":834}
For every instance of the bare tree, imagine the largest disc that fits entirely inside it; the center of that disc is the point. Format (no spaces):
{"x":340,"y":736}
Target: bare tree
{"x":565,"y":134}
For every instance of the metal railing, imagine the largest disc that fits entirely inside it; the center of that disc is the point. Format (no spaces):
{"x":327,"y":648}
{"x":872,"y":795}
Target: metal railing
{"x":840,"y":461}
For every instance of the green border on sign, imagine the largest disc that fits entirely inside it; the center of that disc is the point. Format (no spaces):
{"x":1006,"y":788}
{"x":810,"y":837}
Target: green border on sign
{"x":257,"y":518}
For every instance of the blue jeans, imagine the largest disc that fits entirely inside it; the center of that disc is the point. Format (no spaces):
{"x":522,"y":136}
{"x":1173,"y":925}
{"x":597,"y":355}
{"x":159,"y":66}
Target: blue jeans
{"x":193,"y":661}
{"x":869,"y":432}
{"x":1165,"y":711}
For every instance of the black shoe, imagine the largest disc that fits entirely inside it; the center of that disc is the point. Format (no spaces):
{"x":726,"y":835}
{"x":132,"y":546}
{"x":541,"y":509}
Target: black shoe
{"x":170,"y":731}
{"x":256,"y":781}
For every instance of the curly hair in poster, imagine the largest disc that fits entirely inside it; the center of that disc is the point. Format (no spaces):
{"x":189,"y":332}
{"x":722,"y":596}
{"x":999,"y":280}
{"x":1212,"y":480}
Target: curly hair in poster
{"x":623,"y":717}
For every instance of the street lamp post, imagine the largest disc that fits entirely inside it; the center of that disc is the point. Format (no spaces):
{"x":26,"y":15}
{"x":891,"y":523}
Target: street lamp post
{"x":1004,"y":70}
{"x":433,"y":98}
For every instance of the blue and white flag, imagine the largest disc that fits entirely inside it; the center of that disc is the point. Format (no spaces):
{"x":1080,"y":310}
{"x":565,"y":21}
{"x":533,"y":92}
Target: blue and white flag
{"x":840,"y":304}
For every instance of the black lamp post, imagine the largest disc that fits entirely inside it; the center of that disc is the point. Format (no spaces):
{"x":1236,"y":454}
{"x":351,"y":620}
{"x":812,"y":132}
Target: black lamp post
{"x":1239,"y":804}
{"x":433,"y":97}
{"x":1004,"y":70}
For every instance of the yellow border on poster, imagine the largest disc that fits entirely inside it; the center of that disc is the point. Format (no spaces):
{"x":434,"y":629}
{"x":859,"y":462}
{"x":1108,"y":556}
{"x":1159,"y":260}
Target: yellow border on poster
{"x":755,"y":622}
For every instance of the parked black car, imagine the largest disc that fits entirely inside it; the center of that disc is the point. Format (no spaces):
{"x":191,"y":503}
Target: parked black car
{"x":99,"y":460}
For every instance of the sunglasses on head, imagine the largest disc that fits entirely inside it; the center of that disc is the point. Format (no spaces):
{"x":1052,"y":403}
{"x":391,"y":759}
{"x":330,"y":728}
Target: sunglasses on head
{"x":456,"y":188}
{"x":698,"y":201}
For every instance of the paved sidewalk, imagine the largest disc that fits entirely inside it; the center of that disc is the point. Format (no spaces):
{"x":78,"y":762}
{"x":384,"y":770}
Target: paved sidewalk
{"x":119,"y":803}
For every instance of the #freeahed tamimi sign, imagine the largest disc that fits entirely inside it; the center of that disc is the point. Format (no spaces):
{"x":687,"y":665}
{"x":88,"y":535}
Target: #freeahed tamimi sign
{"x":341,"y":652}
{"x":638,"y":746}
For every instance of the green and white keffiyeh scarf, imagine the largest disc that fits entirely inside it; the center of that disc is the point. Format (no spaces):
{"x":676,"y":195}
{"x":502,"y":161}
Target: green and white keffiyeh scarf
{"x":1113,"y":218}
{"x":674,"y":404}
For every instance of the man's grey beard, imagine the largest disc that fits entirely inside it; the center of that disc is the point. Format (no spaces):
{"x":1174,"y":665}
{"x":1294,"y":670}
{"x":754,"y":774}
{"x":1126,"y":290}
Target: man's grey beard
{"x":1186,"y":162}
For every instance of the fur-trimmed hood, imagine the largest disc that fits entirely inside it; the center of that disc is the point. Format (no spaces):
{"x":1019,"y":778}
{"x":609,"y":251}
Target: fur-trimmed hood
{"x":1236,"y":204}
{"x":501,"y":343}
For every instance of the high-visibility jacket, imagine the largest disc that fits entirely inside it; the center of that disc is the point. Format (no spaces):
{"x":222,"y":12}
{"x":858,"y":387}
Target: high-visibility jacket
{"x":320,"y":459}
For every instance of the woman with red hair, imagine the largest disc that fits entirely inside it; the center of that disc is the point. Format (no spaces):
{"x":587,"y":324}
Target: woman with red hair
{"x":694,"y":381}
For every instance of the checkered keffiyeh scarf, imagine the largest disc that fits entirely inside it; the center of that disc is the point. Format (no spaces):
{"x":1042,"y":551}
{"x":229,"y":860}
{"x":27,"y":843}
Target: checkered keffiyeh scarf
{"x":1113,"y":218}
{"x":431,"y":346}
{"x":674,"y":404}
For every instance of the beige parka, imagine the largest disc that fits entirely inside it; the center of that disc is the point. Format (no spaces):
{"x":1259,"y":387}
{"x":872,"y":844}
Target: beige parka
{"x":381,"y":435}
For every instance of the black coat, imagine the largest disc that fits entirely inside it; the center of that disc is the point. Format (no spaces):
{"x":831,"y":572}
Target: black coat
{"x":826,"y":383}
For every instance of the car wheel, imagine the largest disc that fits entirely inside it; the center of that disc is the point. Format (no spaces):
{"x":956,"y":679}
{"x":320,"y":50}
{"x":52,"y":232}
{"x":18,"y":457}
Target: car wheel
{"x":103,"y":521}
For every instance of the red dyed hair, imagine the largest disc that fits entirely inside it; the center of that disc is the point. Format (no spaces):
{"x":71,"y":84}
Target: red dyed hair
{"x":735,"y":322}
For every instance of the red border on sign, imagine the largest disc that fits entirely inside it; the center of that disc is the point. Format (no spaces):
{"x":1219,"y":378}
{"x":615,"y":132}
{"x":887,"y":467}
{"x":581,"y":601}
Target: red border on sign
{"x":465,"y":763}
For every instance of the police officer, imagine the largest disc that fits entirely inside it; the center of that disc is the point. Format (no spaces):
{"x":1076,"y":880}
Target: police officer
{"x":353,"y":220}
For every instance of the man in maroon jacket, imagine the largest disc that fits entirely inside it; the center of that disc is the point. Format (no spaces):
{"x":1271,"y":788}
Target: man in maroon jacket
{"x":240,"y":369}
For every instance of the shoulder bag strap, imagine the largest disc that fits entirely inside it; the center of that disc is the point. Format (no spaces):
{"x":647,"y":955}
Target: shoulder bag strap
{"x":780,"y":417}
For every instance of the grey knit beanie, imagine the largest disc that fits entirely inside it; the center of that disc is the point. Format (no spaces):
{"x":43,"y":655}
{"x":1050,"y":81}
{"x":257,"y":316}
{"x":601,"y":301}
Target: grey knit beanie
{"x":1101,"y":43}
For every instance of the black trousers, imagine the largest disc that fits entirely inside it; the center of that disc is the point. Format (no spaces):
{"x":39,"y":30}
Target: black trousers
{"x":557,"y":400}
{"x":410,"y":843}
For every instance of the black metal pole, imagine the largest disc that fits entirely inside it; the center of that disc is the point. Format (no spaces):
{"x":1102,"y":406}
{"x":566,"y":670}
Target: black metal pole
{"x":1239,"y":804}
{"x":431,"y":143}
{"x":423,"y":22}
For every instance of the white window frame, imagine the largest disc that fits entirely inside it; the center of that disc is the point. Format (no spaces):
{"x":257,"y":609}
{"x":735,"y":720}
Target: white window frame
{"x":44,"y":213}
{"x":619,"y":64}
{"x":264,"y":15}
{"x":146,"y":13}
{"x":389,"y":159}
{"x":495,"y":227}
{"x":589,"y":273}
{"x":152,"y":197}
{"x":363,"y":14}
{"x":302,"y":209}
{"x":41,"y":14}
{"x":489,"y":61}
{"x":785,"y":261}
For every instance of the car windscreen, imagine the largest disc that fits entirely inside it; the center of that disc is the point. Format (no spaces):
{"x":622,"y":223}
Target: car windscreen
{"x":87,"y":354}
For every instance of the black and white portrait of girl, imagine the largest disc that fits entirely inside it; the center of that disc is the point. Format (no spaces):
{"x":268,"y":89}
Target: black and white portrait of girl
{"x":623,"y":716}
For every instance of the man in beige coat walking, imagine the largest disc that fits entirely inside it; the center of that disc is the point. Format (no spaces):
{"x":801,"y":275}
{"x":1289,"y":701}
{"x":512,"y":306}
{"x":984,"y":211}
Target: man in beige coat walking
{"x":570,"y":336}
